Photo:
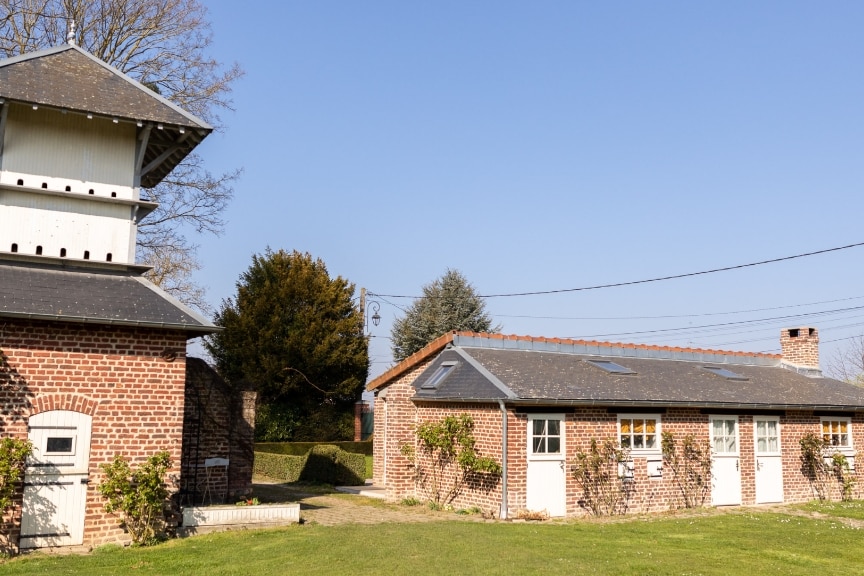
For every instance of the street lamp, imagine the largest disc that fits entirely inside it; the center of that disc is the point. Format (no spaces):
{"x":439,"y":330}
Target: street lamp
{"x":374,"y":305}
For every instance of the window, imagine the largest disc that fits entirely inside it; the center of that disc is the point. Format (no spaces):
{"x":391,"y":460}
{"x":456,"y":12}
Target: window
{"x":728,"y":374}
{"x":611,"y":367}
{"x":639,"y":432}
{"x":438,"y":376}
{"x":545,"y":435}
{"x":59,"y":445}
{"x":836,"y":432}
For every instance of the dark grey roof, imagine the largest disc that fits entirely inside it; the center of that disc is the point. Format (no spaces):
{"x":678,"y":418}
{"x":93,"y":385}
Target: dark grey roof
{"x":533,"y":377}
{"x":79,"y":295}
{"x":69,"y":78}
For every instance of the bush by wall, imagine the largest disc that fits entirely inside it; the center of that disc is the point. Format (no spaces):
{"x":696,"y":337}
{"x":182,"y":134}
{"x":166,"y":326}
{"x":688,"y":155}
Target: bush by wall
{"x":324,"y":463}
{"x":303,"y":448}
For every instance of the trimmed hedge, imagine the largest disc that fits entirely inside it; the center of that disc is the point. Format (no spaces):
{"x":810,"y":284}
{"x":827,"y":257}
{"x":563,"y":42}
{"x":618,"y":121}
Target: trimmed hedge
{"x":279,"y":466}
{"x":303,"y":448}
{"x":325,"y":463}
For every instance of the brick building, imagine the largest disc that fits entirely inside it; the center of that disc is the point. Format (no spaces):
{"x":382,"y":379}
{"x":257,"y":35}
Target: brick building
{"x":92,"y":355}
{"x":536,"y":402}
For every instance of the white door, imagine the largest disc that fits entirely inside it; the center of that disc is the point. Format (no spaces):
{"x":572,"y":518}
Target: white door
{"x":769,"y":463}
{"x":726,"y":468}
{"x":546,"y":482}
{"x":55,"y":482}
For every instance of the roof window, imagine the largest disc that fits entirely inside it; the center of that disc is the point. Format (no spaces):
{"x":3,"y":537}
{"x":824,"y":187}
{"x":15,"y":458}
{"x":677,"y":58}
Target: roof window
{"x":610,"y":367}
{"x":728,"y":374}
{"x":438,"y":376}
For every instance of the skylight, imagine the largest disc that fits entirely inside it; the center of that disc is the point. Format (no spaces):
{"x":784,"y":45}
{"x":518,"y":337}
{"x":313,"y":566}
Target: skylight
{"x":438,"y":376}
{"x":610,"y":367}
{"x":728,"y":374}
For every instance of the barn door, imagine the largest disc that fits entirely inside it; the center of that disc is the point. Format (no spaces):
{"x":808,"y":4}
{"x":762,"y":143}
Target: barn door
{"x":55,"y":482}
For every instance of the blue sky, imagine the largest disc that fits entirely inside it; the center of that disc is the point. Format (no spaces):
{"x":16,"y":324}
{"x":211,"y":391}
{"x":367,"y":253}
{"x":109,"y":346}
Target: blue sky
{"x":552,"y":145}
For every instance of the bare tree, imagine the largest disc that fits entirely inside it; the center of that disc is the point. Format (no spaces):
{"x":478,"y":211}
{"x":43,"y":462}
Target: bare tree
{"x":847,"y":364}
{"x":163,"y":44}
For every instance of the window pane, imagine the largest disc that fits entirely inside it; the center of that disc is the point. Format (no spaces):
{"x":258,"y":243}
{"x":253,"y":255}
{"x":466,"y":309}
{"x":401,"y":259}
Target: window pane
{"x":730,"y":444}
{"x":63,"y":445}
{"x":826,"y":427}
{"x":718,"y":444}
{"x":625,"y":426}
{"x":539,"y":427}
{"x":843,"y":427}
{"x":651,"y":441}
{"x":625,"y":441}
{"x":539,"y":445}
{"x":638,"y":426}
{"x":772,"y":445}
{"x":554,"y":444}
{"x":718,"y":428}
{"x":650,"y":426}
{"x":554,"y":428}
{"x":638,"y":442}
{"x":762,"y":445}
{"x":730,"y":427}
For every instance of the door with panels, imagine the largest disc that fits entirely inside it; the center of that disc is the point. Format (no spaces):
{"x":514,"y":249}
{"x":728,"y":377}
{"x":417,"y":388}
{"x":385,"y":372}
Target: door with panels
{"x":56,"y":478}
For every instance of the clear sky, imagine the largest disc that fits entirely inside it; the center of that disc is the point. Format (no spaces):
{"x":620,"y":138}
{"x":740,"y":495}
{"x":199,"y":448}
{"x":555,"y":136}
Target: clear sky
{"x":552,"y":145}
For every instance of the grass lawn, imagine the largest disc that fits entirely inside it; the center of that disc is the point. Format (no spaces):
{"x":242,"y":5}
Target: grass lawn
{"x":738,"y":542}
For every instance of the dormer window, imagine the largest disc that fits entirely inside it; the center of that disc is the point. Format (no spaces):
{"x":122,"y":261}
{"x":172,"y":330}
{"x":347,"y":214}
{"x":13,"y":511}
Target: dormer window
{"x":438,"y":376}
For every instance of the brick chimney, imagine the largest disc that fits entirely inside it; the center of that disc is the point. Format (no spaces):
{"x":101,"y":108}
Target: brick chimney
{"x":800,"y":346}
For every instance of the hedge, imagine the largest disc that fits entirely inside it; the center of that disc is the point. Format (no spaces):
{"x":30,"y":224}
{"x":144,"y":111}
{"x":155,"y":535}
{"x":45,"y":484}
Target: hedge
{"x":303,"y":448}
{"x":325,"y":463}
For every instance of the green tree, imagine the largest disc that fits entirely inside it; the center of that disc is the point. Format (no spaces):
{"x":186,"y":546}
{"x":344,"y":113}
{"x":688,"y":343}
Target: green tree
{"x":448,"y":303}
{"x":297,"y":335}
{"x":165,"y":45}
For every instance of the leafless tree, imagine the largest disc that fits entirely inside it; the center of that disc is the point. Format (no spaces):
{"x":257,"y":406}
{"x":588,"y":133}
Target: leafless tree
{"x":847,"y":364}
{"x":163,"y":44}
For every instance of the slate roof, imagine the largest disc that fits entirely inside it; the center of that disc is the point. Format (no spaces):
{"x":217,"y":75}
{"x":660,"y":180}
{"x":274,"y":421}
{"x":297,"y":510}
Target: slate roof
{"x":92,"y":296}
{"x":69,"y":78}
{"x":543,"y":372}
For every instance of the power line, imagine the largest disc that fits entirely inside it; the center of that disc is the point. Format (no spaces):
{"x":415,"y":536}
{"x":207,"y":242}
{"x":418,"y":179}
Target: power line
{"x":649,"y":280}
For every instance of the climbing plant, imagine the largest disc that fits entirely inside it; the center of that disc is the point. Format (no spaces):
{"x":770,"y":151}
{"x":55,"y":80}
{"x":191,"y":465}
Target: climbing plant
{"x":13,"y":460}
{"x":822,"y":467}
{"x":138,"y":496}
{"x":448,"y":461}
{"x":689,"y":461}
{"x":602,"y":474}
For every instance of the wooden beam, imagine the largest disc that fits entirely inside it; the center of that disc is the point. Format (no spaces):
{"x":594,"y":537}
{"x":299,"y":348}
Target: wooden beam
{"x":141,"y":149}
{"x":161,"y":158}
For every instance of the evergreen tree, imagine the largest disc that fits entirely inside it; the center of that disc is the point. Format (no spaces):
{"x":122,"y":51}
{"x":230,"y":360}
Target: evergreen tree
{"x":448,"y":303}
{"x":297,"y":335}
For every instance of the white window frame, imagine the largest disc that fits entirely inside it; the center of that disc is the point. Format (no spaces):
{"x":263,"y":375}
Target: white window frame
{"x":658,"y":428}
{"x":847,"y":449}
{"x":560,"y":455}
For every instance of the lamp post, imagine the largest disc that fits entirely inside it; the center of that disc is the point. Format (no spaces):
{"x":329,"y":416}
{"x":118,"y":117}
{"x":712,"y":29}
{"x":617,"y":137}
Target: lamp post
{"x":374,"y":305}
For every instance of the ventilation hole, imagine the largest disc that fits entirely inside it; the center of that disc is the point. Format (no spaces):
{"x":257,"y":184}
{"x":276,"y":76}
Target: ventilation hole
{"x":86,"y":254}
{"x":113,"y":194}
{"x":38,"y":250}
{"x":20,"y":182}
{"x":62,"y":252}
{"x":793,"y":333}
{"x":14,"y":247}
{"x":108,"y":257}
{"x":44,"y":185}
{"x":810,"y":331}
{"x":91,"y":191}
{"x":68,"y":188}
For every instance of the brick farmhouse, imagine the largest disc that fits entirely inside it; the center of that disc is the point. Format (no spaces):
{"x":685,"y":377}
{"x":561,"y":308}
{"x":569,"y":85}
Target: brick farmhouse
{"x":92,"y":354}
{"x":537,"y":402}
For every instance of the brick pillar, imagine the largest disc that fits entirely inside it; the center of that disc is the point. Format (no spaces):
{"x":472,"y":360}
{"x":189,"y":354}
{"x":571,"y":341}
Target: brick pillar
{"x":800,"y":346}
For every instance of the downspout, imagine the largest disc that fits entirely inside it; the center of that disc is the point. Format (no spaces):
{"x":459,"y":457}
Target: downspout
{"x":502,"y":513}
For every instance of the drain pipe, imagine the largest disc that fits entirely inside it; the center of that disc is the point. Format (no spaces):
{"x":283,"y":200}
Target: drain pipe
{"x":502,"y":513}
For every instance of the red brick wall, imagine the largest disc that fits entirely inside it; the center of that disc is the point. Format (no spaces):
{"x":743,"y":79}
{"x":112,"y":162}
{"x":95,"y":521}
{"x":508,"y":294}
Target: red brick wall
{"x":115,"y":374}
{"x":650,"y":494}
{"x":800,"y":346}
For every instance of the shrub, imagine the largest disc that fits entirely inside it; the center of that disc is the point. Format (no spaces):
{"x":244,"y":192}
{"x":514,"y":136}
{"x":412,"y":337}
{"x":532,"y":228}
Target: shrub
{"x":690,"y":464}
{"x":450,"y":461}
{"x":821,"y":466}
{"x":279,"y":466}
{"x":13,"y":460}
{"x":599,"y":474}
{"x":331,"y":465}
{"x":303,"y":448}
{"x":139,"y":497}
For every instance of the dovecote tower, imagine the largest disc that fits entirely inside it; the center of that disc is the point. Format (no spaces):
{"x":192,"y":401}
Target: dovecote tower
{"x":78,"y":142}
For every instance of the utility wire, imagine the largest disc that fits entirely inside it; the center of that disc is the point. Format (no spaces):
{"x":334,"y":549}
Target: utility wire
{"x":649,"y":280}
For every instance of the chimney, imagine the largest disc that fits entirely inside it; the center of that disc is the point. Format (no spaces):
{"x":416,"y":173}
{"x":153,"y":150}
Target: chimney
{"x":800,"y":346}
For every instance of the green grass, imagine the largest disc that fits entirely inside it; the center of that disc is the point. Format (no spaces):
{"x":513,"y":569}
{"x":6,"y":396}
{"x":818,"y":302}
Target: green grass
{"x":739,"y":542}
